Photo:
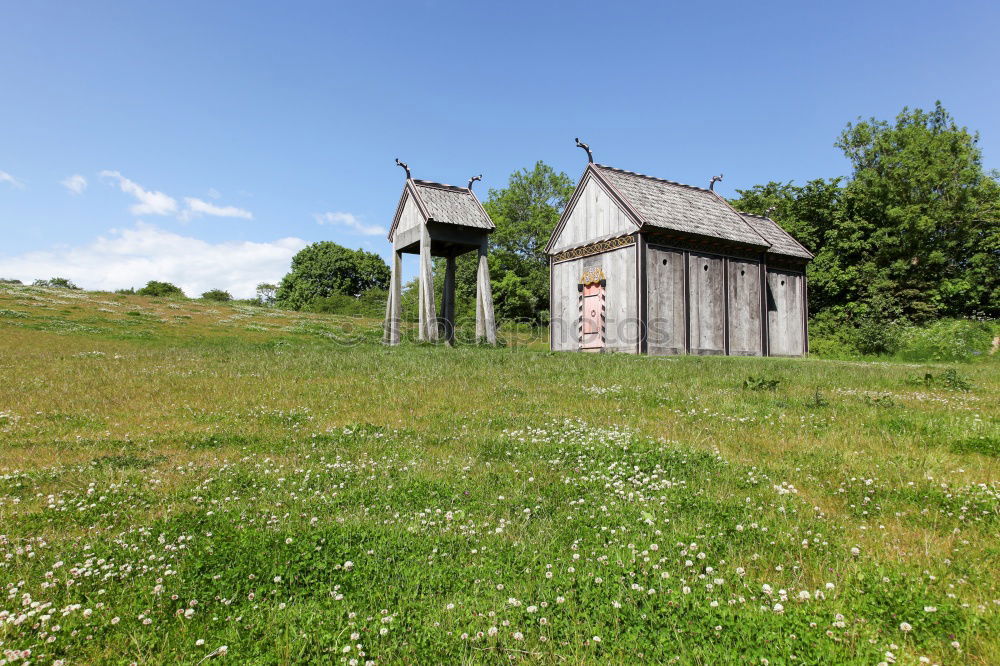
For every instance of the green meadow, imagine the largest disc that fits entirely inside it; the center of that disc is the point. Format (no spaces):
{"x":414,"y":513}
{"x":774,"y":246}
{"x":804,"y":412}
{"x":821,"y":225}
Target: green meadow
{"x":192,"y":482}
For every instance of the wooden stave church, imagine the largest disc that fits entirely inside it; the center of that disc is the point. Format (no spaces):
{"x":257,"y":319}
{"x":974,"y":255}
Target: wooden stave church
{"x":667,"y":268}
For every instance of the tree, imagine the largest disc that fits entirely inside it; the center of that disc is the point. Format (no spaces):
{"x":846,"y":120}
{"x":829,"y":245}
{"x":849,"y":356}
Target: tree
{"x":217,"y":295}
{"x":525,"y":212}
{"x":325,"y":268}
{"x":163,"y":289}
{"x":266,"y":293}
{"x":57,"y":282}
{"x":914,"y":233}
{"x":931,"y":212}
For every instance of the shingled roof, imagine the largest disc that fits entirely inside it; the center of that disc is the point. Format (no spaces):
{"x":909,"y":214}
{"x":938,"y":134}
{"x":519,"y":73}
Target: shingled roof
{"x":782,"y":242}
{"x":678,"y":207}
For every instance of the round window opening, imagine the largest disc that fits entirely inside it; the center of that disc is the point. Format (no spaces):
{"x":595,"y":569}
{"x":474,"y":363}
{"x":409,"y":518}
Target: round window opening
{"x":706,"y":267}
{"x":743,"y":272}
{"x":664,"y":262}
{"x":782,"y":283}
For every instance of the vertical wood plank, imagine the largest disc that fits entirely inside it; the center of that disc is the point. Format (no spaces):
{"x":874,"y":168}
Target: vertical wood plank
{"x":448,"y":301}
{"x":485,"y":322}
{"x":393,"y":308}
{"x":427,"y":316}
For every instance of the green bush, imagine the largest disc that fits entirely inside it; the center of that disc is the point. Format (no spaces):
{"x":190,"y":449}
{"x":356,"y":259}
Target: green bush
{"x":156,"y":288}
{"x":217,"y":295}
{"x":945,"y":340}
{"x":58,"y":282}
{"x":369,"y":304}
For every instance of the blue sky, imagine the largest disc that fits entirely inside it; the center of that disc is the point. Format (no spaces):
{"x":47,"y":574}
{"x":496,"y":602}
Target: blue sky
{"x":217,"y":138}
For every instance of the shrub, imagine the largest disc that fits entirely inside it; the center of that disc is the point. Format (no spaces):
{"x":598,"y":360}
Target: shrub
{"x":760,"y":383}
{"x":945,"y":340}
{"x":369,"y":304}
{"x":126,"y":292}
{"x":217,"y":295}
{"x":156,"y":288}
{"x":57,"y":282}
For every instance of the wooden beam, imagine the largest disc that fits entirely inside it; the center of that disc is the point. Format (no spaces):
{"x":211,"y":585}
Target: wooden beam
{"x":765,"y":348}
{"x":485,"y":322}
{"x":448,"y":301}
{"x":428,"y":317}
{"x":394,"y":305}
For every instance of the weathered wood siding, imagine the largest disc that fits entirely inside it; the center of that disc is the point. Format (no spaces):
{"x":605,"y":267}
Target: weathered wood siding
{"x":744,"y":308}
{"x":785,"y":303}
{"x":621,"y":322}
{"x":410,"y":217}
{"x":595,"y":216}
{"x":665,"y":301}
{"x":706,"y":294}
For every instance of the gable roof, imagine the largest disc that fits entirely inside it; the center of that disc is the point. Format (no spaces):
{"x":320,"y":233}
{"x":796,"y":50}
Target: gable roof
{"x":446,"y":204}
{"x":685,"y":208}
{"x":781,"y":241}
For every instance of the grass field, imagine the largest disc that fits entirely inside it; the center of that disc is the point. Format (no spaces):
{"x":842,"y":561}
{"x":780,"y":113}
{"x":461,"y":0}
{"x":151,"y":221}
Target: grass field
{"x":184,"y":482}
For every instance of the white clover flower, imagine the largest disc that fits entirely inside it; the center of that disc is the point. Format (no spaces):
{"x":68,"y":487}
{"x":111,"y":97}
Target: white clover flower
{"x":905,"y":627}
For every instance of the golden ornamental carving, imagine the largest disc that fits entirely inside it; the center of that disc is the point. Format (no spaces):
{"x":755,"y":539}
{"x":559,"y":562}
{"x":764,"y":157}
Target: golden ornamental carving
{"x":594,"y":248}
{"x":592,"y":276}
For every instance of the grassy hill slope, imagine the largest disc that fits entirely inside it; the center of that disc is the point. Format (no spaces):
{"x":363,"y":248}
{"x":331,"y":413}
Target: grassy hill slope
{"x":178,"y":476}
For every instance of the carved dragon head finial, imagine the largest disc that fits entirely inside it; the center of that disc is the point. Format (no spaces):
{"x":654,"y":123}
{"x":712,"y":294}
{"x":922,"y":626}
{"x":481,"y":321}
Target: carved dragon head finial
{"x":472,"y":180}
{"x":405,"y":168}
{"x":715,"y":179}
{"x":590,"y":155}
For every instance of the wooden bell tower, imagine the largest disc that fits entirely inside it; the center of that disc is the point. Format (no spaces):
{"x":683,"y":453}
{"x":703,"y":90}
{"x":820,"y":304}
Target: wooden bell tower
{"x":438,"y":220}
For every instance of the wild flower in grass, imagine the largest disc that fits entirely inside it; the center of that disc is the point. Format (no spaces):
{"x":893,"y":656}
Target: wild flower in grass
{"x":905,"y":627}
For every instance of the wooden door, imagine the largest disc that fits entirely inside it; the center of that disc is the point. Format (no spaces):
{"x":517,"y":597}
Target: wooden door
{"x":592,"y":314}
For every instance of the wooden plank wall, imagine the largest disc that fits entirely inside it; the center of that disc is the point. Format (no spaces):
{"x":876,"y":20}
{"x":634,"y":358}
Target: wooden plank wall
{"x":744,"y":308}
{"x":410,"y":217}
{"x":665,"y":314}
{"x":621,"y":323}
{"x":785,"y":313}
{"x":595,"y":217}
{"x":706,"y":294}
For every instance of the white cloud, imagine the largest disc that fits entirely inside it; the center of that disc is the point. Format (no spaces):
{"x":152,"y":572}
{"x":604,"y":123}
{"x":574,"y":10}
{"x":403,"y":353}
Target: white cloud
{"x":196,"y":207}
{"x":14,"y":182}
{"x":150,"y":203}
{"x":351,"y":222}
{"x":132,"y":257}
{"x":76,"y":184}
{"x":214,"y":193}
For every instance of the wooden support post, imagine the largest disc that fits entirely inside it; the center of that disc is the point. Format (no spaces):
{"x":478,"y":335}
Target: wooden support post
{"x":485,"y":323}
{"x":448,"y":301}
{"x":765,"y":342}
{"x":428,"y":316}
{"x":394,"y":305}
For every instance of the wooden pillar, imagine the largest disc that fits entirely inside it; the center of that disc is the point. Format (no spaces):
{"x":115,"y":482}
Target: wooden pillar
{"x":428,"y":316}
{"x":485,"y":323}
{"x":448,"y":301}
{"x":765,"y":342}
{"x":394,"y":305}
